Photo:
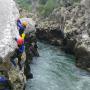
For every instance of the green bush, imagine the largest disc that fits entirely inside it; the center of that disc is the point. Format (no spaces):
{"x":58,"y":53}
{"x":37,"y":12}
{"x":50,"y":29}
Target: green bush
{"x":25,"y":4}
{"x":43,"y":1}
{"x":45,"y":6}
{"x":46,"y":9}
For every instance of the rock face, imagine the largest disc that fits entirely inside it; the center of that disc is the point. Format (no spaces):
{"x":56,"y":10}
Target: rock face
{"x":8,"y":15}
{"x":8,"y":31}
{"x":69,"y":27}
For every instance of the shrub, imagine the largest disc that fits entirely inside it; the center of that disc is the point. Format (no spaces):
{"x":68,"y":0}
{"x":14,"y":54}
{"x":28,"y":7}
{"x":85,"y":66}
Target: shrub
{"x":43,"y":1}
{"x":46,"y":9}
{"x":25,"y":4}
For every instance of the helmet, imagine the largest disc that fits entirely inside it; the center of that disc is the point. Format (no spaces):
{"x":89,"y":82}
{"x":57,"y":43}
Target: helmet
{"x":24,"y":23}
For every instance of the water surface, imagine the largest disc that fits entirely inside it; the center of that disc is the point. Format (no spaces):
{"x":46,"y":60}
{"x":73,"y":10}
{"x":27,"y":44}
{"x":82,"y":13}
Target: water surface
{"x":55,"y":70}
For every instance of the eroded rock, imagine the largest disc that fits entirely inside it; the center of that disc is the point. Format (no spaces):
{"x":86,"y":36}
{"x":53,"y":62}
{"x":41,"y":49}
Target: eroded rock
{"x":73,"y":22}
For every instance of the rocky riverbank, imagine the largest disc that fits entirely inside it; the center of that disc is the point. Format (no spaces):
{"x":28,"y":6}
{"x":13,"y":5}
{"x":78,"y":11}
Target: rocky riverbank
{"x":68,"y":27}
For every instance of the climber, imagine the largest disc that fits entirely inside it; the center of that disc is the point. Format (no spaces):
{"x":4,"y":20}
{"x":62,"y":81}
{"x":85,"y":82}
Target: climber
{"x":18,"y":51}
{"x":27,"y":42}
{"x":31,"y":46}
{"x":21,"y":26}
{"x":27,"y":38}
{"x":4,"y":83}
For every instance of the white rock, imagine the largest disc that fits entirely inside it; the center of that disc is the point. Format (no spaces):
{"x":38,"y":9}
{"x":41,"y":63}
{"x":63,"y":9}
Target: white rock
{"x":8,"y":29}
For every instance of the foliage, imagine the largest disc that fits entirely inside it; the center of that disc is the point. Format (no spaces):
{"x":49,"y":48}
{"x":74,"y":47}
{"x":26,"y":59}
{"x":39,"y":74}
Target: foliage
{"x":45,"y":6}
{"x":46,"y":9}
{"x":43,"y":2}
{"x":25,"y":4}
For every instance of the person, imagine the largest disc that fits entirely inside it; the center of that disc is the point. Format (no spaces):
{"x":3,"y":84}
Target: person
{"x":21,"y":26}
{"x":31,"y":45}
{"x":27,"y":42}
{"x":18,"y":51}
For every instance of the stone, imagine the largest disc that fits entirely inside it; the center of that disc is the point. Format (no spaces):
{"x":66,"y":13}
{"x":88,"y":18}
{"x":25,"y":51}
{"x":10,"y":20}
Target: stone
{"x":74,"y":21}
{"x":8,"y":31}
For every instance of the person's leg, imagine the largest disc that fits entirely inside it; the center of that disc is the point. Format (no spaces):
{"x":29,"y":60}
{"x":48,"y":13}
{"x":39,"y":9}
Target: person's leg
{"x":27,"y":71}
{"x":13,"y":57}
{"x":19,"y":61}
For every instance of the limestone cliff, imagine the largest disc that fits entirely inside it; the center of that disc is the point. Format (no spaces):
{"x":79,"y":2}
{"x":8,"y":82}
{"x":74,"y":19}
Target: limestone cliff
{"x":8,"y":31}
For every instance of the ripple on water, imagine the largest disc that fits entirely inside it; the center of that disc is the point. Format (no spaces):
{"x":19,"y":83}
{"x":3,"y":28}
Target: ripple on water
{"x":55,"y":70}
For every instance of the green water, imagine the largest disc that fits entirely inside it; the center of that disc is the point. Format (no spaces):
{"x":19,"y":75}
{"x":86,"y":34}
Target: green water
{"x":55,"y":70}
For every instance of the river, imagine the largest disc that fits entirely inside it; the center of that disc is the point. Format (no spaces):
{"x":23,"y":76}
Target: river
{"x":55,"y":70}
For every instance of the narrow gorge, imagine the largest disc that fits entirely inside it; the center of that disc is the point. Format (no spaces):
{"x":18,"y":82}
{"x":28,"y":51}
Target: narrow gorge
{"x":68,"y":27}
{"x":62,"y":36}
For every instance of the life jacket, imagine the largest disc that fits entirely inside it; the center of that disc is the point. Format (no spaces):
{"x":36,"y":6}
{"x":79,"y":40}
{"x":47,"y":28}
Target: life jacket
{"x":20,"y":40}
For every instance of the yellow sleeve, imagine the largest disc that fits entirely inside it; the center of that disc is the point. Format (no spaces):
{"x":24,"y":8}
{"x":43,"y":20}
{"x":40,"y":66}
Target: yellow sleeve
{"x":23,"y":36}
